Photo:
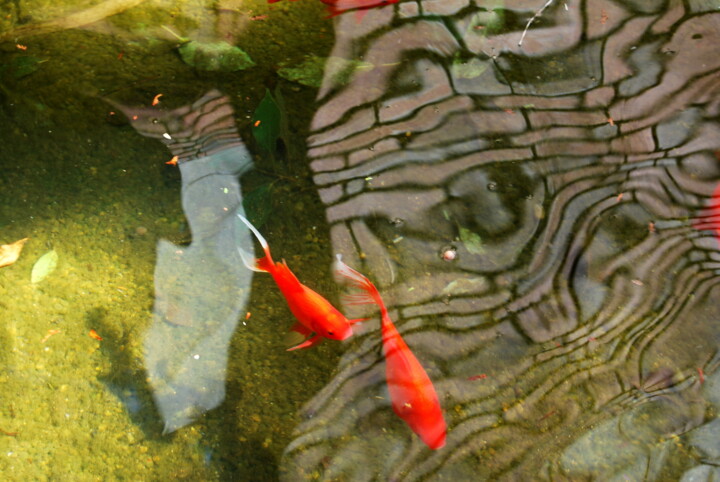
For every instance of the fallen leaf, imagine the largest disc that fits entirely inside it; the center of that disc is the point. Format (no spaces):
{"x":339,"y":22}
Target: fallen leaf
{"x":9,"y":253}
{"x":44,"y":266}
{"x":49,"y":334}
{"x":25,"y":65}
{"x":266,"y":122}
{"x":463,"y":286}
{"x":472,"y":241}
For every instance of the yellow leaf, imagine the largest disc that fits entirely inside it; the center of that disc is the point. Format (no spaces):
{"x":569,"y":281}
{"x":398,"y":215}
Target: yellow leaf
{"x":9,"y":253}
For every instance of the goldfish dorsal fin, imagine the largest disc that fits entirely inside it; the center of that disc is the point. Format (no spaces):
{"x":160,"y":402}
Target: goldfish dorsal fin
{"x":285,"y":271}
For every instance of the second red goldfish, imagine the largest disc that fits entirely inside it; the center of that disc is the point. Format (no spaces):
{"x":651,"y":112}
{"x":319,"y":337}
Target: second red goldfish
{"x":412,"y":393}
{"x":336,"y":7}
{"x":711,"y":221}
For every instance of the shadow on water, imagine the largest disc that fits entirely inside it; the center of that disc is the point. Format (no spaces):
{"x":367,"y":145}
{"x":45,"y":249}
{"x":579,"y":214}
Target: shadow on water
{"x":126,"y":377}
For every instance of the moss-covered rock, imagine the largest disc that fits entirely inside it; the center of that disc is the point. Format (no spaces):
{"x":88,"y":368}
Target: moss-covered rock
{"x":215,"y":56}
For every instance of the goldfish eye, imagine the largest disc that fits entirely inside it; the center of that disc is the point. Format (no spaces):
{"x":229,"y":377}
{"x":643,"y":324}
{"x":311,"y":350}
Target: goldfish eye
{"x":330,"y":333}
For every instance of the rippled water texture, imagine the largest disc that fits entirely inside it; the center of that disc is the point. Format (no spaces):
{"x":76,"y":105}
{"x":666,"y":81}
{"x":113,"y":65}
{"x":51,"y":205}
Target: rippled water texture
{"x":531,"y":184}
{"x":581,"y":160}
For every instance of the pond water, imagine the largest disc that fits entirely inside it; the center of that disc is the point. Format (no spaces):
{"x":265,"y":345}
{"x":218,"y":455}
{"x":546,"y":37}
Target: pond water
{"x":532,"y":186}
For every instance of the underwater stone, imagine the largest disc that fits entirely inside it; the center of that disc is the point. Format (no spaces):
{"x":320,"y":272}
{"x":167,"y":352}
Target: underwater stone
{"x":215,"y":56}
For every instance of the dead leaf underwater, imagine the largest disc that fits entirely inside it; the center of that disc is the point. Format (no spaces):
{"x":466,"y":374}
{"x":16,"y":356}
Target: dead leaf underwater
{"x":9,"y":253}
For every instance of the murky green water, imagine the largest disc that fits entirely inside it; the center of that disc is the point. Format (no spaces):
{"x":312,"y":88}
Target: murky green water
{"x":75,"y":180}
{"x":539,"y":218}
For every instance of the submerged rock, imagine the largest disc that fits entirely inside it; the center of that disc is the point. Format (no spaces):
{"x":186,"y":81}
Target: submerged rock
{"x":215,"y":56}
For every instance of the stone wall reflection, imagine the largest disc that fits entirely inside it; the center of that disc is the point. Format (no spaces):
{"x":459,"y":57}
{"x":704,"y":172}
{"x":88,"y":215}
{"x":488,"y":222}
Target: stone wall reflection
{"x":567,"y":173}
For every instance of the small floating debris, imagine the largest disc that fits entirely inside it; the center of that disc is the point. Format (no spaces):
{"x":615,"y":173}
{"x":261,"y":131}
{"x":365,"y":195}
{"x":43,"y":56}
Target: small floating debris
{"x":448,"y":253}
{"x":463,"y":286}
{"x":482,"y":376}
{"x":49,"y":334}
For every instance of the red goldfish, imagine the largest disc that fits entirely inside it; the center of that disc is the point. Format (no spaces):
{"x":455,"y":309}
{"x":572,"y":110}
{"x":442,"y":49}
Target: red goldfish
{"x":412,"y":393}
{"x":336,"y":7}
{"x":315,"y":314}
{"x":711,"y":222}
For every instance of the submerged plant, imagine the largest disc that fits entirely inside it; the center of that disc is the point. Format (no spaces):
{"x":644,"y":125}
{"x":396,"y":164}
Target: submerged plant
{"x":268,"y":123}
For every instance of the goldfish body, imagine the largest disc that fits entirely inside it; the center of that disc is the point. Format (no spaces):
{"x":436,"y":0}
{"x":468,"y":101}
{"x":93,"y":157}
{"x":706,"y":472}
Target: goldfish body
{"x":711,"y":221}
{"x":412,"y":394}
{"x":314,"y":313}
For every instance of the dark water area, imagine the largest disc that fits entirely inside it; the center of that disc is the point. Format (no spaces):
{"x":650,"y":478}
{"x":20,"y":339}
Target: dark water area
{"x":531,"y":185}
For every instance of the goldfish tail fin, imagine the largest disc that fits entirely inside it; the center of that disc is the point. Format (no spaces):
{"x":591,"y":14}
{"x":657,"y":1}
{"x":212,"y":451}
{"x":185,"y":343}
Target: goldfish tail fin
{"x":360,"y":281}
{"x":254,"y":230}
{"x":357,"y":299}
{"x":353,"y":277}
{"x":249,"y":261}
{"x":262,"y":264}
{"x":371,"y":293}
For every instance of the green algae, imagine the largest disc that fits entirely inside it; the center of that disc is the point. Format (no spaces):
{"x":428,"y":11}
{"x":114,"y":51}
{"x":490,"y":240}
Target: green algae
{"x":80,"y":408}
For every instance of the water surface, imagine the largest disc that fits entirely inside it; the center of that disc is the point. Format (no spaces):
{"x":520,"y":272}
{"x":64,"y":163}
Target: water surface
{"x":569,"y":168}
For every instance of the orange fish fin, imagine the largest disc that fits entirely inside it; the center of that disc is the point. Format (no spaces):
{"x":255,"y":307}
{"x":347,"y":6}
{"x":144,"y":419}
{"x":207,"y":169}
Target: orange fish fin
{"x":359,"y":14}
{"x":307,"y":343}
{"x":353,"y":277}
{"x":282,"y":272}
{"x":250,"y":262}
{"x":357,"y":320}
{"x":263,"y":264}
{"x":300,"y":328}
{"x":357,"y":299}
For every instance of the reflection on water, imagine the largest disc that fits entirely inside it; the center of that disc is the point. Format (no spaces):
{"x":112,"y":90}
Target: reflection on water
{"x":538,"y":216}
{"x":566,"y":172}
{"x":199,"y":289}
